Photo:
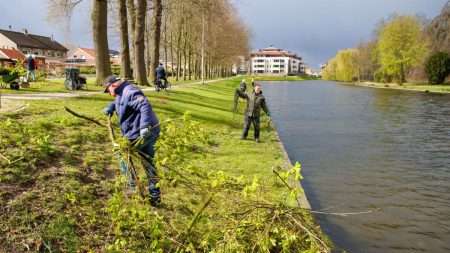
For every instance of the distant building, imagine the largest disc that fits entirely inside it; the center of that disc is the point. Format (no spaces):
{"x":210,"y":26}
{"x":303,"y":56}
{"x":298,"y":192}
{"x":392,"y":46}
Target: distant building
{"x":45,"y":49}
{"x":9,"y":57}
{"x":86,"y":56}
{"x":275,"y":61}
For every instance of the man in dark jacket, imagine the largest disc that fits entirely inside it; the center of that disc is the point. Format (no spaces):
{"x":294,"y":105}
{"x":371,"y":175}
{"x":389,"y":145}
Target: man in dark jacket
{"x":255,"y":102}
{"x":161,"y":74}
{"x":136,"y":119}
{"x":31,"y":67}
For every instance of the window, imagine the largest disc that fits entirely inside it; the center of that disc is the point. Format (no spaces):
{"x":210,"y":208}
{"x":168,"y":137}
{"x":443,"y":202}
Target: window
{"x":276,"y":60}
{"x":260,"y":60}
{"x":276,"y":71}
{"x":276,"y":66}
{"x":260,"y":71}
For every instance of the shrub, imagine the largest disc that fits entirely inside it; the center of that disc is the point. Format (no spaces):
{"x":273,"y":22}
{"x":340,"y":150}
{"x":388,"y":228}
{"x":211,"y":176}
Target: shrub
{"x":87,"y":70}
{"x":437,"y":67}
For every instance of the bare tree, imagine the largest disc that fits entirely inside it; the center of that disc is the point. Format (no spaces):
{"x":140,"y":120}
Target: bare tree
{"x":60,"y":12}
{"x":157,"y":14}
{"x":100,"y":34}
{"x":139,"y":43}
{"x":131,"y":9}
{"x":125,"y":69}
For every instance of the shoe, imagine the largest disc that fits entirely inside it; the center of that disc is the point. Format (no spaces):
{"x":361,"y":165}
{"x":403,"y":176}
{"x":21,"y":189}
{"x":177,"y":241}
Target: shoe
{"x":257,"y":140}
{"x":155,"y":202}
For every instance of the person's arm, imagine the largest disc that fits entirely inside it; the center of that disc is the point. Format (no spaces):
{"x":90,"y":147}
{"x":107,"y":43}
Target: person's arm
{"x":264,"y":107}
{"x":238,"y":93}
{"x":109,"y":110}
{"x":241,"y":94}
{"x":148,"y":118}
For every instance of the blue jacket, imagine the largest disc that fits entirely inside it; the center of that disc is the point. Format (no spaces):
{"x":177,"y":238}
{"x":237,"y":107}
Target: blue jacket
{"x":160,"y":72}
{"x":134,"y":111}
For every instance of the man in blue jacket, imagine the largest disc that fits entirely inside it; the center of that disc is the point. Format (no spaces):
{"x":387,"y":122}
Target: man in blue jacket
{"x":136,"y":119}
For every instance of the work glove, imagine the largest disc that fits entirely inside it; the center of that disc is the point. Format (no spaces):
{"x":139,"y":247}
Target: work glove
{"x":107,"y":112}
{"x":144,"y":132}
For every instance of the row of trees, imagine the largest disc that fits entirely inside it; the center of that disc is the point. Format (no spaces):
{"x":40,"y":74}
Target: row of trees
{"x":195,"y":39}
{"x":402,"y":48}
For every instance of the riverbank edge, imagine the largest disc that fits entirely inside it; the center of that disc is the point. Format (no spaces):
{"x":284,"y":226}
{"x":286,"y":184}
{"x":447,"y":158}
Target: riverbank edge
{"x":392,"y":86}
{"x":302,"y":199}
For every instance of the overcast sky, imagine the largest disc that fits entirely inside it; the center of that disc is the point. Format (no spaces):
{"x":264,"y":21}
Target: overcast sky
{"x":315,"y":29}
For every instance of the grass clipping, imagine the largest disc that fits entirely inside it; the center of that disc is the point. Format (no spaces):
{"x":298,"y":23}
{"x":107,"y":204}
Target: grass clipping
{"x":204,"y":210}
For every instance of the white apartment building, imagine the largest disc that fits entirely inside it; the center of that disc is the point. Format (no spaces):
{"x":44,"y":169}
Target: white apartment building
{"x":275,"y":61}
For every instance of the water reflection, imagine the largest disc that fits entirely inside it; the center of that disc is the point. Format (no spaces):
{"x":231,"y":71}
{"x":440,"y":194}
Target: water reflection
{"x":365,"y":148}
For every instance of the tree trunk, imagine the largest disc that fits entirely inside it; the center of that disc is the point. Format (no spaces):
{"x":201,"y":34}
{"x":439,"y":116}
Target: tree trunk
{"x":157,"y":13}
{"x":148,"y":44}
{"x":132,"y":26}
{"x":171,"y":53}
{"x":402,"y":74}
{"x":179,"y":53}
{"x":190,"y":63}
{"x":165,"y":42}
{"x":99,"y":18}
{"x":139,"y":43}
{"x":125,"y":67}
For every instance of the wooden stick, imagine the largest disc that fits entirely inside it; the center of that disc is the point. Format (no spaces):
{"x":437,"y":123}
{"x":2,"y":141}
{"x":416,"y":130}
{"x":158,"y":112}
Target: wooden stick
{"x":83,"y":117}
{"x":197,"y":215}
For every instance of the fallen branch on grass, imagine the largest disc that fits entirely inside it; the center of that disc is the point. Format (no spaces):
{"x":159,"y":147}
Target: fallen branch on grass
{"x":84,"y":117}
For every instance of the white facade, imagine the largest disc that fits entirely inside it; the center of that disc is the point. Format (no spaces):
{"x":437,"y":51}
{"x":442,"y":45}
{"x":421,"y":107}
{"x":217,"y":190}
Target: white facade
{"x":274,"y":61}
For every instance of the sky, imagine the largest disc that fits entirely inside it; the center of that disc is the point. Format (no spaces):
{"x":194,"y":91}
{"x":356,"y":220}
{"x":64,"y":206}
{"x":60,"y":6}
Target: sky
{"x":314,"y":29}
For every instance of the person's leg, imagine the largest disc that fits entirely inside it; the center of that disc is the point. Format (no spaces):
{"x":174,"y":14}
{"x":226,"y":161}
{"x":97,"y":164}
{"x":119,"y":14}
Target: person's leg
{"x":147,"y":155}
{"x":28,"y":75}
{"x":127,"y":173}
{"x":33,"y":75}
{"x":247,"y":122}
{"x":256,"y":125}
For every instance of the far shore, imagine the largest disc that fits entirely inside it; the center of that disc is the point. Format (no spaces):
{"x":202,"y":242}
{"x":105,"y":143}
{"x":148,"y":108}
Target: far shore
{"x":421,"y":87}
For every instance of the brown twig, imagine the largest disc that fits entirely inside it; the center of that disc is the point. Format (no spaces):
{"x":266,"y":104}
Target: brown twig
{"x":83,"y":117}
{"x":197,"y":215}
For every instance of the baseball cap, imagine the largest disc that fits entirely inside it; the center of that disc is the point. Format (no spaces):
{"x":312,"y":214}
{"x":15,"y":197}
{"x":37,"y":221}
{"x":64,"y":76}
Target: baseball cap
{"x":110,"y":80}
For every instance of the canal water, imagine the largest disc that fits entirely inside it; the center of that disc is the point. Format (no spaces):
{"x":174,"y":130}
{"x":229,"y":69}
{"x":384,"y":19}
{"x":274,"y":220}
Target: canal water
{"x":370,"y":149}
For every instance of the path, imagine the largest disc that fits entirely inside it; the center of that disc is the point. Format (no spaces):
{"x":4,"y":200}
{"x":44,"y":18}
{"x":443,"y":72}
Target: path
{"x":62,"y":95}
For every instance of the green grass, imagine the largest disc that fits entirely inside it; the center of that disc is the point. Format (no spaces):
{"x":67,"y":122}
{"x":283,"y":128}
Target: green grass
{"x":61,"y":191}
{"x":56,"y":85}
{"x":50,"y":85}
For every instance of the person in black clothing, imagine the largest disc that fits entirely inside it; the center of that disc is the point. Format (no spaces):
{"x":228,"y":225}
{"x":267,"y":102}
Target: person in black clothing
{"x":161,"y":75}
{"x":255,"y":102}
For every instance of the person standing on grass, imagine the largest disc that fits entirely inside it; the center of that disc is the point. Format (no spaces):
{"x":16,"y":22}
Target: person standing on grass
{"x":137,"y":120}
{"x":31,"y":68}
{"x":255,"y":102}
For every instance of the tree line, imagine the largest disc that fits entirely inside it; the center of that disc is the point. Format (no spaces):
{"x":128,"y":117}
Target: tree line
{"x":196,"y":39}
{"x":404,"y":48}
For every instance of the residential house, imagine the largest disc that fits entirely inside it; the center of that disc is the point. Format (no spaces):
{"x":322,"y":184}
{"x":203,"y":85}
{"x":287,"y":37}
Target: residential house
{"x":86,"y":56}
{"x":45,"y":49}
{"x":9,"y":57}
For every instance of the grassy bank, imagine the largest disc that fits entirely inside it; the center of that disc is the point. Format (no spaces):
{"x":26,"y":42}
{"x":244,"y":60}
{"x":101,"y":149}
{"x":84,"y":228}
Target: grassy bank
{"x":62,"y":192}
{"x":408,"y":86}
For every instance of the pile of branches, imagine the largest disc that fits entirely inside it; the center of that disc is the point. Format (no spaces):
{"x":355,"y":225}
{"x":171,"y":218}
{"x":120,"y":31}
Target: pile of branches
{"x":204,"y":210}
